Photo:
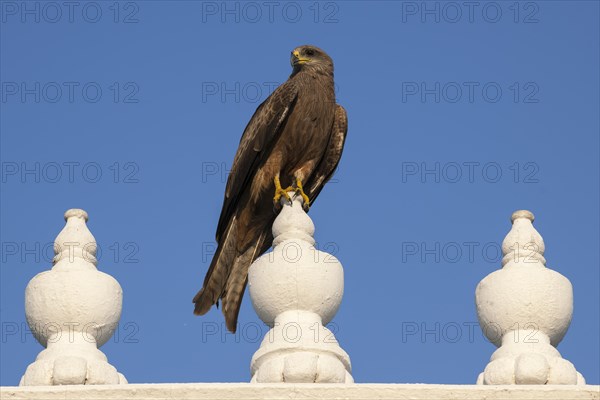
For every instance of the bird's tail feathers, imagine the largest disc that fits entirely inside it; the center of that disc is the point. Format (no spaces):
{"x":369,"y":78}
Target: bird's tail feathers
{"x":218,"y":272}
{"x":237,"y":280}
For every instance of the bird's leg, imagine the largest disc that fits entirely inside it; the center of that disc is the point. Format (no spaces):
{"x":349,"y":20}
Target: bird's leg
{"x":280,"y":192}
{"x":300,"y":191}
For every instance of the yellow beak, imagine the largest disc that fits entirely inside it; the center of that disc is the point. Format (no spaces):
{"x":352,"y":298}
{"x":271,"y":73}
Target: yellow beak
{"x":296,"y":59}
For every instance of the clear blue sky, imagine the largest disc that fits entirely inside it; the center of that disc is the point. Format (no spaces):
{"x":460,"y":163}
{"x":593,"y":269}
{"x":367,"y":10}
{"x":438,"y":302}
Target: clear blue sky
{"x":501,"y":100}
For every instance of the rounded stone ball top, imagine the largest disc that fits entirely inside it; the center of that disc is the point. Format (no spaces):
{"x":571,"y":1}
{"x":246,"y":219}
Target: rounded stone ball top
{"x":76,"y":213}
{"x":522,"y":214}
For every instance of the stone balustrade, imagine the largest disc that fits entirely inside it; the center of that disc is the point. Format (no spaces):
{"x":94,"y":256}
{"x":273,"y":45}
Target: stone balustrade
{"x":296,"y":290}
{"x":72,"y":310}
{"x":524,"y":309}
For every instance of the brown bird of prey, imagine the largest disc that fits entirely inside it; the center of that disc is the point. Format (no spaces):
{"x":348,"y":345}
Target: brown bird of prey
{"x":293,"y":143}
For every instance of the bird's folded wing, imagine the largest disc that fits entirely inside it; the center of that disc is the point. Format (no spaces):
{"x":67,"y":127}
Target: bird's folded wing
{"x":326,"y":167}
{"x":258,"y":138}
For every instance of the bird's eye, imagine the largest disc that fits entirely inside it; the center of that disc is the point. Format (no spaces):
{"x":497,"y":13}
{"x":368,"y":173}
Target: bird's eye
{"x":309,"y":52}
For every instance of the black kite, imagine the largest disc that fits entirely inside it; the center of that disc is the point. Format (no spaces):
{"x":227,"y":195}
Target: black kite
{"x":293,"y":142}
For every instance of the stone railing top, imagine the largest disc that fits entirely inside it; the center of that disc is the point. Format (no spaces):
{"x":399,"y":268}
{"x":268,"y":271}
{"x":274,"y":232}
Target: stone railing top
{"x":308,"y":391}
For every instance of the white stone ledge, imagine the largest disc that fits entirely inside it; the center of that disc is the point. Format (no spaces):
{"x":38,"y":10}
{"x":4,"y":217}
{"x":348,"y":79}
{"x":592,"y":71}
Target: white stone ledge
{"x":241,"y":391}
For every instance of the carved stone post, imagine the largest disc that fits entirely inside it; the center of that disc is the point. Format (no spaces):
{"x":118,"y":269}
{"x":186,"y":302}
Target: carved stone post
{"x":72,"y":310}
{"x":525,"y":309}
{"x":297,"y":290}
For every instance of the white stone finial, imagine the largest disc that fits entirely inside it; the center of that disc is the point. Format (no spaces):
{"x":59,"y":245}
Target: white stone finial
{"x":72,"y":310}
{"x":296,"y":290}
{"x":75,"y":243}
{"x":525,"y":309}
{"x":523,"y":243}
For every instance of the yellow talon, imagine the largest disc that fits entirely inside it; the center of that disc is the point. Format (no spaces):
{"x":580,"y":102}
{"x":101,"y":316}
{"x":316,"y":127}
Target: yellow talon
{"x":280,"y":192}
{"x":300,"y":191}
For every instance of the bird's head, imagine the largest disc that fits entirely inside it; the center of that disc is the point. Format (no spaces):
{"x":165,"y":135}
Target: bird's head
{"x":310,"y":57}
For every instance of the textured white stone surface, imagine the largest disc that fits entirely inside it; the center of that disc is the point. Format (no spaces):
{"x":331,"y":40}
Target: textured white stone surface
{"x":525,"y":309}
{"x":296,"y":290}
{"x":72,"y":310}
{"x":273,"y":391}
